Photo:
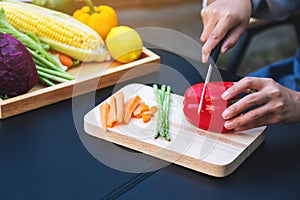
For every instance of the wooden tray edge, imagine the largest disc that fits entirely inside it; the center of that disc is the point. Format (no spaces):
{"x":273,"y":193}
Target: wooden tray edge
{"x":53,"y":94}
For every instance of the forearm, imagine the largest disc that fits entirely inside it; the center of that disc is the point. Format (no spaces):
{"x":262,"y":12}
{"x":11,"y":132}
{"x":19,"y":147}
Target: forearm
{"x":274,"y":9}
{"x":295,"y":115}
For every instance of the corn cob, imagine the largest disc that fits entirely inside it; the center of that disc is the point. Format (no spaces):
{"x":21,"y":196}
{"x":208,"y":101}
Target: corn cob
{"x":62,"y":32}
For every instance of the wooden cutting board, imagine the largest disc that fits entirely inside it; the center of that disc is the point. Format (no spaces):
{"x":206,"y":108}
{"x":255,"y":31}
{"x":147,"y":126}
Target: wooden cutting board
{"x":88,"y":77}
{"x":215,"y":154}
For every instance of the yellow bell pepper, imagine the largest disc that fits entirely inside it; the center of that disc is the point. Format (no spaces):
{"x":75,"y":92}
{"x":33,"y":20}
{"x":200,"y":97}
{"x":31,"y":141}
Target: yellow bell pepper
{"x":100,"y":18}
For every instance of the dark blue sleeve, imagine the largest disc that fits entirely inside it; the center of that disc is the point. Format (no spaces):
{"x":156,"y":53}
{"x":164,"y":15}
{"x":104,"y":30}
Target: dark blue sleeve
{"x":274,"y":9}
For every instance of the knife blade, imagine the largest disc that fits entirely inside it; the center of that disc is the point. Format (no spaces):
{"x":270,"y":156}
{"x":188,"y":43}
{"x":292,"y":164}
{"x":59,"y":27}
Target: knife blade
{"x":207,"y":78}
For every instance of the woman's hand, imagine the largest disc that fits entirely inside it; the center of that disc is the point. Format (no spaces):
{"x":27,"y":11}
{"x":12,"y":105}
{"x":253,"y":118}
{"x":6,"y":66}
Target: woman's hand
{"x":223,"y":19}
{"x":274,"y":104}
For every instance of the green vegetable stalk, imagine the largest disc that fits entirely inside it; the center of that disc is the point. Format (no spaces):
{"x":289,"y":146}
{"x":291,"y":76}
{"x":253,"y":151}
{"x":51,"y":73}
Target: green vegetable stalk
{"x":159,"y":126}
{"x":163,"y":99}
{"x":167,"y":108}
{"x":63,"y":76}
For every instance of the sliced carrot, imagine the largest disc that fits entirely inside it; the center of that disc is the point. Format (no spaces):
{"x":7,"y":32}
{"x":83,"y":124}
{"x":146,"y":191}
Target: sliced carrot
{"x":132,"y":104}
{"x":146,"y":118}
{"x":120,"y":106}
{"x":138,"y":109}
{"x":126,"y":105}
{"x":153,"y":109}
{"x":145,"y":108}
{"x":112,"y":117}
{"x":104,"y":112}
{"x":139,"y":116}
{"x":113,"y":107}
{"x":150,"y":112}
{"x":110,"y":123}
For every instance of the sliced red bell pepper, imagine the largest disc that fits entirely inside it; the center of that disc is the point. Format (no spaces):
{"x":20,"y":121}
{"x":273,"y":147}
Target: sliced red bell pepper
{"x":210,"y":116}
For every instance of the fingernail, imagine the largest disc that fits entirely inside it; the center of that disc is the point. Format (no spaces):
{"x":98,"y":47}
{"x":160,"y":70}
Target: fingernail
{"x":225,"y":114}
{"x":204,"y":58}
{"x":224,"y":49}
{"x":202,"y":38}
{"x":228,"y":125}
{"x":225,"y":95}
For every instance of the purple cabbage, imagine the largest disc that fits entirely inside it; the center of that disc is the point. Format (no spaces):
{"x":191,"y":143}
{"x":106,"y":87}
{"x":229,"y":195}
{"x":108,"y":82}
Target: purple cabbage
{"x":18,"y":73}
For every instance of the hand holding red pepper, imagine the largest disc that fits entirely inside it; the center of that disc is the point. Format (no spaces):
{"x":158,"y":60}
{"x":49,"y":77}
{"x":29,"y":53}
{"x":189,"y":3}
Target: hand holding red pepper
{"x":275,"y":104}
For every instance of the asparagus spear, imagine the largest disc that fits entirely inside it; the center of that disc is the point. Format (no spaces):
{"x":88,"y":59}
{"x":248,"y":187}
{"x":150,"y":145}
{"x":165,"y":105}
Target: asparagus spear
{"x":159,"y":127}
{"x":163,"y":99}
{"x":167,"y":108}
{"x":162,"y":93}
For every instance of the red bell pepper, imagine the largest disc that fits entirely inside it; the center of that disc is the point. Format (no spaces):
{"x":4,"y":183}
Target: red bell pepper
{"x":210,"y":116}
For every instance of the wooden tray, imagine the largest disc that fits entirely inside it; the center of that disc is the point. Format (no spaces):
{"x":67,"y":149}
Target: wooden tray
{"x":211,"y":153}
{"x":86,"y":75}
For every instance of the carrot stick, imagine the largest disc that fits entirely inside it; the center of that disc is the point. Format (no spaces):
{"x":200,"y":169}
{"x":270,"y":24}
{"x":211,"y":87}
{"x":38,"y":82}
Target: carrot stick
{"x":113,"y":107}
{"x":132,"y":104}
{"x":63,"y":58}
{"x":112,"y":117}
{"x":110,"y":122}
{"x":104,"y":110}
{"x":120,"y":106}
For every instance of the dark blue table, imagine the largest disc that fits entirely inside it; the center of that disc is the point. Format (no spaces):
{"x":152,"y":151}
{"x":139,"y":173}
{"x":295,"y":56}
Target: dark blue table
{"x":271,"y":172}
{"x":42,"y":156}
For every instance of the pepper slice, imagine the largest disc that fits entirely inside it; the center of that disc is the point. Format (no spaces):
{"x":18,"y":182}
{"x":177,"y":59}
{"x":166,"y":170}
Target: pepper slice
{"x":210,"y":116}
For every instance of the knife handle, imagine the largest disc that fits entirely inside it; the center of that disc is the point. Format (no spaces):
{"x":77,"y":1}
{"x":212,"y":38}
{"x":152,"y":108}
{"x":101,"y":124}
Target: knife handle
{"x":216,"y":51}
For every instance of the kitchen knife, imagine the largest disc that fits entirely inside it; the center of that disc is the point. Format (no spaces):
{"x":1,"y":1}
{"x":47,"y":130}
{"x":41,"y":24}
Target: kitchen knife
{"x":207,"y":78}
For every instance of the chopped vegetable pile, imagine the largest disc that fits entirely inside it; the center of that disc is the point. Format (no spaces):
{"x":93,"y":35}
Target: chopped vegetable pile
{"x":117,"y":112}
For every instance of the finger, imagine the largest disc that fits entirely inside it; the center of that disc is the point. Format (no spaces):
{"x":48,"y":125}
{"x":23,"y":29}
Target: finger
{"x":242,"y":86}
{"x":232,"y":37}
{"x":252,"y":119}
{"x":209,"y":22}
{"x":245,"y":103}
{"x":242,"y":122}
{"x":214,"y":38}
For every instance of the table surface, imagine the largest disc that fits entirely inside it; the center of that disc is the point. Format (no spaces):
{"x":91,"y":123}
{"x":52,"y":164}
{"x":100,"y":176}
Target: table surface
{"x":43,"y":156}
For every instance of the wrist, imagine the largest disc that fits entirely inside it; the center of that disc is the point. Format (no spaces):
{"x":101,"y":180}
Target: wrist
{"x":296,"y":102}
